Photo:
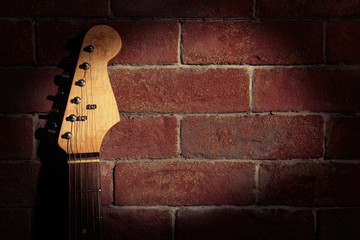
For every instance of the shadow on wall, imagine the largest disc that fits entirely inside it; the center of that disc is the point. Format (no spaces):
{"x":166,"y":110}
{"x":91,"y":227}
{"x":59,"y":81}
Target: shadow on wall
{"x":50,"y":216}
{"x":301,"y":82}
{"x":230,"y":41}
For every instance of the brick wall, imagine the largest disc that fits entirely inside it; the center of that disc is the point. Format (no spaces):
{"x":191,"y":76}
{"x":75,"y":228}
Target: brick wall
{"x":240,"y":119}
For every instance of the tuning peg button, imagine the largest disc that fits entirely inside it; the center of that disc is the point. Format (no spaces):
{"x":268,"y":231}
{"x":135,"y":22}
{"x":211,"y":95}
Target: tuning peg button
{"x":71,"y":118}
{"x":89,"y":48}
{"x":85,"y":66}
{"x":67,"y":135}
{"x":80,"y":83}
{"x":62,"y":79}
{"x":76,"y":100}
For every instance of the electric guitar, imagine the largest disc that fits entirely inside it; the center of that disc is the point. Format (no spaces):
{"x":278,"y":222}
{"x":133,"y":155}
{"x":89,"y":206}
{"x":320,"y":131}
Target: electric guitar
{"x":90,"y":112}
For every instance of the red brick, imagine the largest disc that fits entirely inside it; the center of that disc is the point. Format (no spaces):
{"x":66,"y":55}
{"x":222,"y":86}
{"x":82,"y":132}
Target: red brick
{"x":343,"y":37}
{"x":252,"y":137}
{"x":144,"y":42}
{"x":232,"y":223}
{"x":308,"y":8}
{"x":343,"y":138}
{"x":141,"y":137}
{"x":106,"y":183}
{"x":300,"y":89}
{"x":310,"y":184}
{"x":271,"y":42}
{"x":16,"y":138}
{"x":137,"y":224}
{"x":34,"y":8}
{"x":18,"y":184}
{"x":16,"y":42}
{"x":181,"y":90}
{"x":26,"y":89}
{"x":183,"y":8}
{"x":184,"y":183}
{"x":14,"y":224}
{"x":337,"y":224}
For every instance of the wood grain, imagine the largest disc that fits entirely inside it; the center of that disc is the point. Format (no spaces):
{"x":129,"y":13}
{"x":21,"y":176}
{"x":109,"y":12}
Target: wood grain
{"x":87,"y":135}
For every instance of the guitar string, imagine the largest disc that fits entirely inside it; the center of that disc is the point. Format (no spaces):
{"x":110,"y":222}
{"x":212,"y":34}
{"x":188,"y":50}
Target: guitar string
{"x":91,"y":147}
{"x":86,"y":168}
{"x":76,"y":133}
{"x":80,"y":133}
{"x":69,"y":190}
{"x":79,"y":138}
{"x":74,"y":191}
{"x":97,"y":171}
{"x":87,"y":78}
{"x":94,"y":144}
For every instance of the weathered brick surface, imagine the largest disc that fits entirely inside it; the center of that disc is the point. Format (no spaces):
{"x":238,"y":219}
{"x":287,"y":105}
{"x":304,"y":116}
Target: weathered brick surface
{"x":301,"y":89}
{"x":252,"y":137}
{"x":141,"y":137}
{"x":136,"y":224}
{"x":144,"y":42}
{"x":343,"y":37}
{"x":206,"y":185}
{"x":26,"y":89}
{"x":18,"y":184}
{"x":16,"y":138}
{"x":343,"y":138}
{"x":310,"y":184}
{"x":181,"y":90}
{"x":34,"y":8}
{"x":183,"y":8}
{"x":335,"y":224}
{"x":14,"y":224}
{"x":272,"y":42}
{"x":308,"y":8}
{"x":16,"y":42}
{"x":106,"y":183}
{"x":184,"y":183}
{"x":229,"y":223}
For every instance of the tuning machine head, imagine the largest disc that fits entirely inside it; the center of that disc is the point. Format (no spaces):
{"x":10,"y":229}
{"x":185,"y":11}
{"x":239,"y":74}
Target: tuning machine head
{"x":85,"y":66}
{"x":67,"y":135}
{"x":71,"y":118}
{"x":80,"y":83}
{"x":76,"y":100}
{"x":89,"y":48}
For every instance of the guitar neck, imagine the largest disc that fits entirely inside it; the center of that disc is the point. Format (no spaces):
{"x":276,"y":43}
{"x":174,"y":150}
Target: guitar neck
{"x":90,"y":112}
{"x":84,"y":196}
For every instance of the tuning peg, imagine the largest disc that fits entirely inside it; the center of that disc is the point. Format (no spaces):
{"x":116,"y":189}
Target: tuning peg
{"x":51,"y":98}
{"x":62,"y":79}
{"x":76,"y":100}
{"x":89,"y":48}
{"x":85,"y":66}
{"x":67,"y":63}
{"x":67,"y":135}
{"x":55,"y":112}
{"x":80,"y":83}
{"x":52,"y":125}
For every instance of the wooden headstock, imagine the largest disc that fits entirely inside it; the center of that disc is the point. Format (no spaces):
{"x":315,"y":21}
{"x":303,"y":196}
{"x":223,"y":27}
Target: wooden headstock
{"x":91,"y":108}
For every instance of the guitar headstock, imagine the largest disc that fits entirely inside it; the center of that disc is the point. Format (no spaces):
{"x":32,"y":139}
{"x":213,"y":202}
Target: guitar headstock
{"x":91,"y":108}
